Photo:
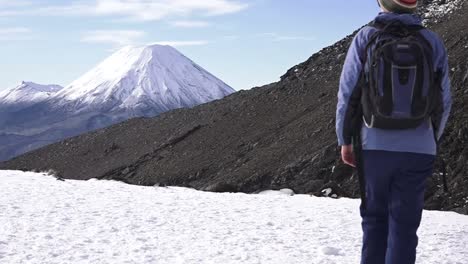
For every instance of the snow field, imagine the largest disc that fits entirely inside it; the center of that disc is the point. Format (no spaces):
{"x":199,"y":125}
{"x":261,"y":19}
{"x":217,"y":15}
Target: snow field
{"x":44,"y":220}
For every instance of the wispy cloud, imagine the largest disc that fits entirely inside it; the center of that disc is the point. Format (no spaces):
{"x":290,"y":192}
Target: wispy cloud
{"x":278,"y":37}
{"x":181,"y":43}
{"x":13,"y":8}
{"x":16,"y":3}
{"x":190,"y":24}
{"x":15,"y":33}
{"x":231,"y":37}
{"x":140,"y":10}
{"x":117,"y":38}
{"x":15,"y":30}
{"x":120,"y":38}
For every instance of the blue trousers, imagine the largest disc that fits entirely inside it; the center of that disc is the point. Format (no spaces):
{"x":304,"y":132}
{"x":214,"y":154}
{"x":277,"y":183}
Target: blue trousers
{"x":395,"y":186}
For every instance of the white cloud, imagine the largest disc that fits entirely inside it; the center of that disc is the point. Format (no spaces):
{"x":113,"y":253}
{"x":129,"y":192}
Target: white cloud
{"x":278,"y":37}
{"x":231,"y":37}
{"x":190,"y":24}
{"x":140,"y":10}
{"x":15,"y":3}
{"x":120,"y":38}
{"x":181,"y":43}
{"x":13,"y":7}
{"x":15,"y":33}
{"x":115,"y":37}
{"x":15,"y":30}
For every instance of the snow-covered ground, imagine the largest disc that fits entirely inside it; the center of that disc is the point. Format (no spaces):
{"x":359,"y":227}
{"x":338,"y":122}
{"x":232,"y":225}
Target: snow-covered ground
{"x":43,"y":220}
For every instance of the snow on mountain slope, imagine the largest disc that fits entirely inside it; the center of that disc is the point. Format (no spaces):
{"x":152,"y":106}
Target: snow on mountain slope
{"x":28,"y":92}
{"x":150,"y":75}
{"x":49,"y":221}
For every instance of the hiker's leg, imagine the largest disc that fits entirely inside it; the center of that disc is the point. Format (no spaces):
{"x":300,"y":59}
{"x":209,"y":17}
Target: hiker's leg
{"x":407,"y":202}
{"x":377,"y":173}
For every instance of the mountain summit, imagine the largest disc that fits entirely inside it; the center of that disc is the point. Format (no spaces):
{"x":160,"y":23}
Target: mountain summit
{"x":154,"y":77}
{"x":141,"y":81}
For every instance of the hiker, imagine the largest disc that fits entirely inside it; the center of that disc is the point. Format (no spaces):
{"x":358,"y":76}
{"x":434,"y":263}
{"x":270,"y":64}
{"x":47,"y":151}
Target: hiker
{"x":394,"y":100}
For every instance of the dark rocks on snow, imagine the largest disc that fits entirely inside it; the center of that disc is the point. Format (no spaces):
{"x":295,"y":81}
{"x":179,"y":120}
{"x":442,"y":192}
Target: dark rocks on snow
{"x":277,"y":136}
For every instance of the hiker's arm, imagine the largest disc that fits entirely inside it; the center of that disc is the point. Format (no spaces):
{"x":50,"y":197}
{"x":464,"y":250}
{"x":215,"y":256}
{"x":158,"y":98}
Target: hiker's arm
{"x":446,"y":90}
{"x":346,"y":108}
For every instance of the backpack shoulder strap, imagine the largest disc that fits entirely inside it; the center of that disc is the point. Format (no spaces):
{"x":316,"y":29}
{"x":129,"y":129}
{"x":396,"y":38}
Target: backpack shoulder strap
{"x":393,"y":25}
{"x":372,"y":38}
{"x":418,"y":33}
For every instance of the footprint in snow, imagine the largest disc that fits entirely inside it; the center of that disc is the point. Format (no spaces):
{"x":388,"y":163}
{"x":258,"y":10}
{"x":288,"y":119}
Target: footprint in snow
{"x":331,"y":251}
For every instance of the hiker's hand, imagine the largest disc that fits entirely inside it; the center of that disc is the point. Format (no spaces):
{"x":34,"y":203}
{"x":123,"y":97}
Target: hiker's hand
{"x":347,"y":155}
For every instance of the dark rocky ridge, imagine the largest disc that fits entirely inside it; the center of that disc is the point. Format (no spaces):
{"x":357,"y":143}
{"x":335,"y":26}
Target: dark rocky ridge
{"x":280,"y":135}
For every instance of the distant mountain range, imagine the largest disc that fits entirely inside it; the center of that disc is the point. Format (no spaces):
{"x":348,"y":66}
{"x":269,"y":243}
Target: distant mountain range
{"x":25,"y":95}
{"x":139,"y":81}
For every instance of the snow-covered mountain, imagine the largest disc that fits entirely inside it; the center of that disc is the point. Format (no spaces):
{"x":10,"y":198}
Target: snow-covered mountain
{"x":146,"y":76}
{"x":133,"y":82}
{"x":27,"y":93}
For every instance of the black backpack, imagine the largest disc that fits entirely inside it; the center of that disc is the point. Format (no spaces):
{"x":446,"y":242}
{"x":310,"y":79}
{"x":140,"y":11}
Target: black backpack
{"x":400,"y":88}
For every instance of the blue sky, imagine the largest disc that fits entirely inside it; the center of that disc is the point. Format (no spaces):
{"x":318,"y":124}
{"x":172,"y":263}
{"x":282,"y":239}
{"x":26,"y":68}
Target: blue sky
{"x":244,"y":43}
